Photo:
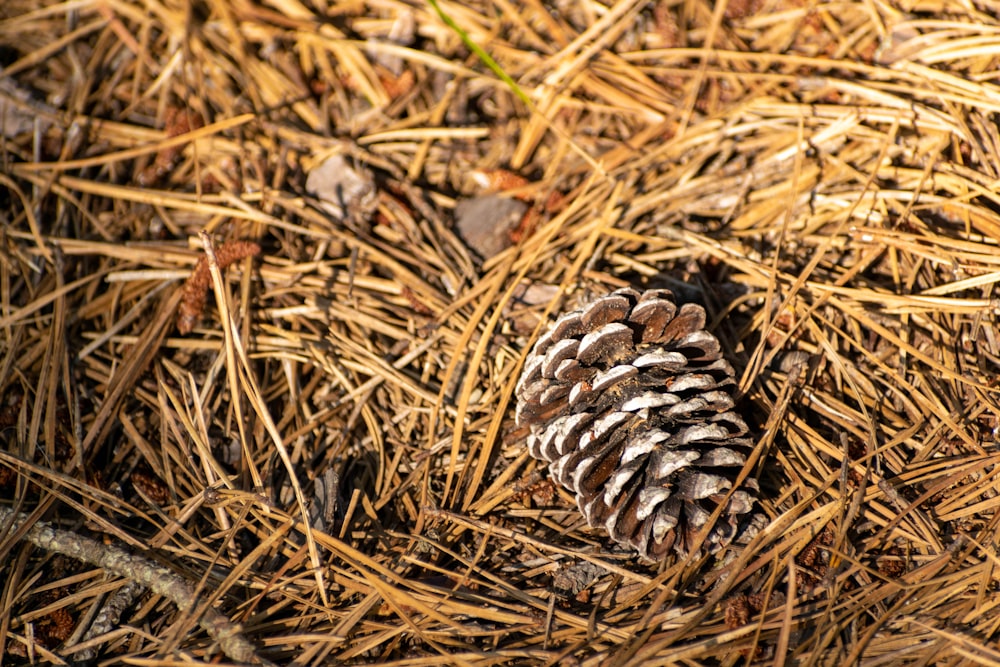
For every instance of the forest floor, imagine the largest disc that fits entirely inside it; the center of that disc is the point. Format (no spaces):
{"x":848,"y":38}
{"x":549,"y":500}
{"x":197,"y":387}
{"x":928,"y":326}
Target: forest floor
{"x":269,"y":272}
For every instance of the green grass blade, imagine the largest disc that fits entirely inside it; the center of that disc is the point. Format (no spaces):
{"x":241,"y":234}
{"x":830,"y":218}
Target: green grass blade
{"x":480,"y":53}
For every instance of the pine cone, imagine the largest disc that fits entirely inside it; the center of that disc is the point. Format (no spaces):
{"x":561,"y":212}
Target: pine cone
{"x":629,"y":401}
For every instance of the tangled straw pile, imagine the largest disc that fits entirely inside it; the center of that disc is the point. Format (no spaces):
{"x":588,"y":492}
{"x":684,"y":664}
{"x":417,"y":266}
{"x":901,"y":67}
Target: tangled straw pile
{"x":329,"y":456}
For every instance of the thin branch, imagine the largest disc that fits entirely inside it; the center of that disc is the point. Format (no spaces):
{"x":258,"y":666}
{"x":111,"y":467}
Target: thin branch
{"x":142,"y":571}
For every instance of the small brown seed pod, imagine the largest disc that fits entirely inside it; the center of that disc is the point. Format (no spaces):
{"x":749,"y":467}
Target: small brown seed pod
{"x":629,"y":400}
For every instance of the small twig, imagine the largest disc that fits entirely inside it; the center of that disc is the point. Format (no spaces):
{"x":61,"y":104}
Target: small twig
{"x":140,"y":570}
{"x":109,"y":616}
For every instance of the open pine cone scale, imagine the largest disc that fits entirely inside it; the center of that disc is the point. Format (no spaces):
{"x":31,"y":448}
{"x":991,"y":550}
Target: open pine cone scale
{"x":629,"y":401}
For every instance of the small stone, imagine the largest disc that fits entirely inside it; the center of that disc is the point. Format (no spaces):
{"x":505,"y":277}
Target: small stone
{"x":343,"y":191}
{"x":485,"y":223}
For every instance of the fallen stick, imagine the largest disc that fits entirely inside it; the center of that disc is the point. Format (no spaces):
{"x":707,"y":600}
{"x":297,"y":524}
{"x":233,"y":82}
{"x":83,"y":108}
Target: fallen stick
{"x":141,"y":570}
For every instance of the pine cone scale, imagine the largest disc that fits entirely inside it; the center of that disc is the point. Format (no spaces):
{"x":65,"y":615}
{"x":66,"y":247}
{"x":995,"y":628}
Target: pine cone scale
{"x":560,"y":352}
{"x":604,"y":344}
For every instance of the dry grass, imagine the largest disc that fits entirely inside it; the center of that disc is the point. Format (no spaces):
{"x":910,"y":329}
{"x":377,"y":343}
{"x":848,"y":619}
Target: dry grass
{"x":824,"y":180}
